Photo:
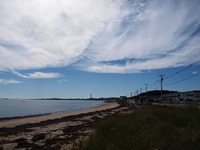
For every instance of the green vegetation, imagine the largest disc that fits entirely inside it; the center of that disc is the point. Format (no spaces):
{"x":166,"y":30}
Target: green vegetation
{"x":150,"y":127}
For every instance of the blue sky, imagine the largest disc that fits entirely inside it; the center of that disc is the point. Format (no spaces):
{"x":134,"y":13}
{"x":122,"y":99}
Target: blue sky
{"x":71,"y":48}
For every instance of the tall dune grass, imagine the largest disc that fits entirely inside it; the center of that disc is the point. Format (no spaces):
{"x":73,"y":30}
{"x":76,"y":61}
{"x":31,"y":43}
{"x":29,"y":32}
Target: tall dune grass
{"x":152,"y":127}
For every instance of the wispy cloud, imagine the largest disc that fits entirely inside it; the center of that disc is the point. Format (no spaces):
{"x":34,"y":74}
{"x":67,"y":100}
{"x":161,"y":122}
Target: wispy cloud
{"x":9,"y":81}
{"x":92,"y":34}
{"x":195,"y":72}
{"x":63,"y":80}
{"x":154,"y":35}
{"x":39,"y":34}
{"x":39,"y":75}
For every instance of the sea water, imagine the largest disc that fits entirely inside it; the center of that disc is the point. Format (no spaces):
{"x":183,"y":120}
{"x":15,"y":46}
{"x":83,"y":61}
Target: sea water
{"x":27,"y":107}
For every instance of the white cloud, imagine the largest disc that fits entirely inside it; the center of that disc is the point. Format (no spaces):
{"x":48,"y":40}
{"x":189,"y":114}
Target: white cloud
{"x":9,"y":81}
{"x":39,"y":75}
{"x":44,"y":75}
{"x":158,"y":36}
{"x":195,"y":72}
{"x":37,"y":34}
{"x":176,"y":59}
{"x":63,"y":80}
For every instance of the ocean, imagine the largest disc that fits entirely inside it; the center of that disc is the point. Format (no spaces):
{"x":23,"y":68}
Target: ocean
{"x":28,"y":107}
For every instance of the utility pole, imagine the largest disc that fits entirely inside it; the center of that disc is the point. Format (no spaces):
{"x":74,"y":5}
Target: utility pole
{"x":146,"y":90}
{"x":131,"y":94}
{"x":146,"y":87}
{"x":140,"y":90}
{"x":137,"y":91}
{"x":161,"y":81}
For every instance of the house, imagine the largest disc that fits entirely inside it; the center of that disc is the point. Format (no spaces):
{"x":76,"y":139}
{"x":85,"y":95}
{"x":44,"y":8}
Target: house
{"x":190,"y":95}
{"x":172,"y":97}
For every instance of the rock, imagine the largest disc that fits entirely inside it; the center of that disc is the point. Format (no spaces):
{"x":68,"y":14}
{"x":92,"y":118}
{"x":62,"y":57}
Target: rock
{"x":38,"y":137}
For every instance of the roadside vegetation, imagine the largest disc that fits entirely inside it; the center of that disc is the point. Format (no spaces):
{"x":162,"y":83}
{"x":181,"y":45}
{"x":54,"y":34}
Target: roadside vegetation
{"x":150,"y":127}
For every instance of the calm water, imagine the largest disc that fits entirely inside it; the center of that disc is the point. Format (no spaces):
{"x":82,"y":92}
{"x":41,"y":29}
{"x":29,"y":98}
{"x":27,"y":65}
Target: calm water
{"x":24,"y":107}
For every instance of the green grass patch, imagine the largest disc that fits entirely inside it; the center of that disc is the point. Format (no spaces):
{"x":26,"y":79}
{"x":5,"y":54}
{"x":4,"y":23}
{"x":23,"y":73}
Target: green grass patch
{"x":152,"y":127}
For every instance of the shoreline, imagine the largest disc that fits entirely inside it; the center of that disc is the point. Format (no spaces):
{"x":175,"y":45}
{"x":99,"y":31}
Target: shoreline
{"x":59,"y":131}
{"x":11,"y":122}
{"x":22,"y":110}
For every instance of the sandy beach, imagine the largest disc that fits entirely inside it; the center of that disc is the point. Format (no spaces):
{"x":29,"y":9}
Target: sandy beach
{"x":53,"y":131}
{"x":37,"y":119}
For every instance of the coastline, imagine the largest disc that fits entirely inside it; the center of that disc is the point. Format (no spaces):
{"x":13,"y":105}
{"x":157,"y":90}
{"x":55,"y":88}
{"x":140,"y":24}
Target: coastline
{"x":20,"y":108}
{"x":17,"y":121}
{"x":55,"y":131}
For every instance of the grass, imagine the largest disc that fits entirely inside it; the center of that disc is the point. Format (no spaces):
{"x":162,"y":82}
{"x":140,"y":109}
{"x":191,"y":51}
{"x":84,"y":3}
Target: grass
{"x":152,"y":127}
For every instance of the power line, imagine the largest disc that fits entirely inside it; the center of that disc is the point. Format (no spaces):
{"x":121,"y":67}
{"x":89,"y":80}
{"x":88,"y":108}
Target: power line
{"x":178,"y":72}
{"x":181,"y":75}
{"x":183,"y":79}
{"x":186,"y":76}
{"x":153,"y":84}
{"x":182,"y":70}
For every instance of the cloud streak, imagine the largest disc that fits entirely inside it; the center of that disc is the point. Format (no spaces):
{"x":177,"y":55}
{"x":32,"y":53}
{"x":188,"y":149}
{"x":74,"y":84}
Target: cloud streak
{"x":98,"y":36}
{"x":9,"y":81}
{"x":62,"y":81}
{"x":38,"y":75}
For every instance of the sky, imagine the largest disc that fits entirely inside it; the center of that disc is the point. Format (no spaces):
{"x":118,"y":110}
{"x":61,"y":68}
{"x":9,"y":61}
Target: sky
{"x":107,"y":48}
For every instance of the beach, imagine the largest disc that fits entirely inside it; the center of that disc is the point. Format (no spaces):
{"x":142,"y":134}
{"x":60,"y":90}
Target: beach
{"x":37,"y":119}
{"x":53,"y":131}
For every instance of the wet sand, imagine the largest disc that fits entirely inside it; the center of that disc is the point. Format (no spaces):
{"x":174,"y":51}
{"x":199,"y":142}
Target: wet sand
{"x":54,"y":131}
